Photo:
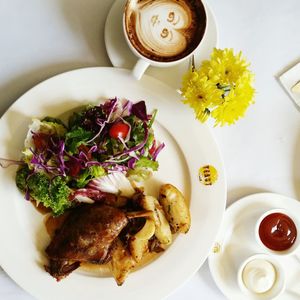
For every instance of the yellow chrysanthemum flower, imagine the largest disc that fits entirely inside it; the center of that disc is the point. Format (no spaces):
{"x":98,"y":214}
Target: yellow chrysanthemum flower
{"x":200,"y":94}
{"x":221,"y":88}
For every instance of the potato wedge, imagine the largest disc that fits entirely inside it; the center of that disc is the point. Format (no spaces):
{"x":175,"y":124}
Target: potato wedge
{"x":162,"y":227}
{"x":121,"y":262}
{"x":138,"y":248}
{"x":175,"y":208}
{"x":154,"y":245}
{"x":138,"y":244}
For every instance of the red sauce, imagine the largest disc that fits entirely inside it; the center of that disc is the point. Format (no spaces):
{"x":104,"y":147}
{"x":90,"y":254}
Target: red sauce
{"x":278,"y":232}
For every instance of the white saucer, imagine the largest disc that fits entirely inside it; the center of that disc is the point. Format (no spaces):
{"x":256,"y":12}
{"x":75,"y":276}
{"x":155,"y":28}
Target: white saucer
{"x":237,"y":242}
{"x":121,"y":56}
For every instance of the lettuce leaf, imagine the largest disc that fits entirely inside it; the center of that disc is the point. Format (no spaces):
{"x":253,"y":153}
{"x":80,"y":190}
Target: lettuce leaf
{"x":143,"y":169}
{"x":77,"y":137}
{"x":49,"y":126}
{"x":144,"y":162}
{"x":53,"y":120}
{"x":89,"y":174}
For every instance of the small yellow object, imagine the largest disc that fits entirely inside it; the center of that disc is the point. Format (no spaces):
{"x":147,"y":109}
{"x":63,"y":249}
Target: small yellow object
{"x":208,"y":175}
{"x":216,"y":248}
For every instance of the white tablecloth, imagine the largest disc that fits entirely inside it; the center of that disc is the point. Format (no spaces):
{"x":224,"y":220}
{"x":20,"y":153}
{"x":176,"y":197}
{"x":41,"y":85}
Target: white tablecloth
{"x":41,"y":38}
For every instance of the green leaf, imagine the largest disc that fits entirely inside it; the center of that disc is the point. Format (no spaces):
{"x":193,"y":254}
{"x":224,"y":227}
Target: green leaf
{"x":140,"y":174}
{"x":59,"y":194}
{"x":77,"y":137}
{"x":152,"y":118}
{"x":88,"y":174}
{"x":53,"y":120}
{"x":53,"y":127}
{"x":143,"y":169}
{"x":144,"y":162}
{"x":21,"y":178}
{"x":137,"y":131}
{"x":48,"y":127}
{"x":75,"y":119}
{"x":51,"y":193}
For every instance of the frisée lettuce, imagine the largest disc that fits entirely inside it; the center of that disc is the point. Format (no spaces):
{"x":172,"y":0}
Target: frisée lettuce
{"x":52,"y":193}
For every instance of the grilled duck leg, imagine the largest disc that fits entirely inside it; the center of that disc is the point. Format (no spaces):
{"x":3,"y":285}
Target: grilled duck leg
{"x":86,"y":236}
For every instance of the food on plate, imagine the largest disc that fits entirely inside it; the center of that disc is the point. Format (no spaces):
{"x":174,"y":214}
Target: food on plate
{"x":118,"y":233}
{"x":53,"y":193}
{"x":121,"y":262}
{"x":100,"y":150}
{"x":89,"y":174}
{"x":138,"y":243}
{"x":85,"y":236}
{"x":162,"y":227}
{"x":175,"y":208}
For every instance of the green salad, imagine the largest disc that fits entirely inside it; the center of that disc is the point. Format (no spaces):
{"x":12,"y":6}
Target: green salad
{"x":101,"y":150}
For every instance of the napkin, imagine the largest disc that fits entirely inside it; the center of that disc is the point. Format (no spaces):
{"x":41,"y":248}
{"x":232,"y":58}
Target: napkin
{"x":289,"y":79}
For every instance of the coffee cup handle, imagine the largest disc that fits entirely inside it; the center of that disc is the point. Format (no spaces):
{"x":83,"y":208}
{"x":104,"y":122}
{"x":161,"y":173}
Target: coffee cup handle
{"x":140,"y":68}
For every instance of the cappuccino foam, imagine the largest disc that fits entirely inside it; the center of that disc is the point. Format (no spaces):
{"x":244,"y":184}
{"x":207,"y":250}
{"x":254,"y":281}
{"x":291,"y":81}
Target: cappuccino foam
{"x":165,"y":30}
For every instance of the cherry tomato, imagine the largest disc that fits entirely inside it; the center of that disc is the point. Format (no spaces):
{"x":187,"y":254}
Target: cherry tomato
{"x":119,"y":130}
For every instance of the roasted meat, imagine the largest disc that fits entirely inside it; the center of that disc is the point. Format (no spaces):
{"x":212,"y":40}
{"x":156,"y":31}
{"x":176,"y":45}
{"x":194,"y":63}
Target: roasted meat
{"x":86,"y":235}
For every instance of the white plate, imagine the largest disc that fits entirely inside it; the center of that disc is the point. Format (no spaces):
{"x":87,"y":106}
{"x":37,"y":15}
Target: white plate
{"x":237,"y":242}
{"x":189,"y":145}
{"x":121,"y":56}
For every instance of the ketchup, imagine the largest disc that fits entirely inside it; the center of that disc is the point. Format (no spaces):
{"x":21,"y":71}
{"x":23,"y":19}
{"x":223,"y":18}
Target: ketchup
{"x":278,"y":232}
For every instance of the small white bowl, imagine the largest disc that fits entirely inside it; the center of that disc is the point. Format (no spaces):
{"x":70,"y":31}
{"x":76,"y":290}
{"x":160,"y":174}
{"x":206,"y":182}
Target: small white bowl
{"x":278,"y":286}
{"x":296,"y":244}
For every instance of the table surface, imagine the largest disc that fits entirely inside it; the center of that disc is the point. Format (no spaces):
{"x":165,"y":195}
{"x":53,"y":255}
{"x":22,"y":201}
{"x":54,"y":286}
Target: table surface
{"x":42,"y":38}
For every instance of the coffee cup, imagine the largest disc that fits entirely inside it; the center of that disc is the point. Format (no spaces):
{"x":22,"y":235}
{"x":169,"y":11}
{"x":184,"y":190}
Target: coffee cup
{"x":163,"y":33}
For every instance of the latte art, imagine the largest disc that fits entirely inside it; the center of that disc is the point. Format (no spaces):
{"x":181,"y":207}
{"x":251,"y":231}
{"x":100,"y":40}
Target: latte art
{"x":160,"y":27}
{"x":165,"y":30}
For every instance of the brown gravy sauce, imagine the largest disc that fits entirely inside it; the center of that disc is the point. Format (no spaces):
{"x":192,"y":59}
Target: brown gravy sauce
{"x":40,"y":207}
{"x":104,"y":270}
